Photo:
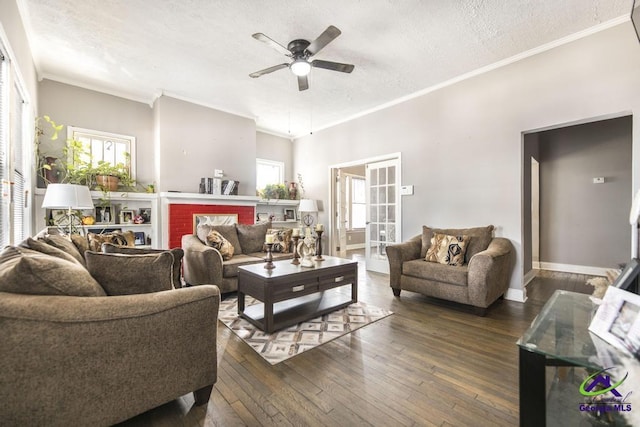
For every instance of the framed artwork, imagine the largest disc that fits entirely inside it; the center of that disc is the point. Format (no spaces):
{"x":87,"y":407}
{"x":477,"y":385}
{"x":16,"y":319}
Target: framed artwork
{"x":126,"y":216}
{"x":104,"y":214}
{"x":263,"y":216}
{"x":139,"y":238}
{"x":145,"y":213}
{"x":617,"y":320}
{"x":627,"y":278}
{"x":289,"y":214}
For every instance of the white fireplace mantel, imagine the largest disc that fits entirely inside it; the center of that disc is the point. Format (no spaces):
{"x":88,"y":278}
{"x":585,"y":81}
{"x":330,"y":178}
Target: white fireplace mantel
{"x":170,"y":197}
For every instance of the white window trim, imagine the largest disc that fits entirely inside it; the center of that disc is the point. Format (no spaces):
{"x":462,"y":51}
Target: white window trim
{"x":276,"y":163}
{"x":72,"y":131}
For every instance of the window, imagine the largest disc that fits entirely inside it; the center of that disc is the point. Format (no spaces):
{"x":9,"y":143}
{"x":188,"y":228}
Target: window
{"x":268,"y":172}
{"x":5,"y":232}
{"x":356,"y":203}
{"x":100,"y":146}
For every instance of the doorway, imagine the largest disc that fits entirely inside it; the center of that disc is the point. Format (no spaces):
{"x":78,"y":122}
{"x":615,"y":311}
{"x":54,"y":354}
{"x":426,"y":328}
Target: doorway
{"x":365,"y":210}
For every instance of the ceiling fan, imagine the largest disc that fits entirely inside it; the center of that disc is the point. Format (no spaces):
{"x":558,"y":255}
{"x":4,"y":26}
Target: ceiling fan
{"x":301,"y":52}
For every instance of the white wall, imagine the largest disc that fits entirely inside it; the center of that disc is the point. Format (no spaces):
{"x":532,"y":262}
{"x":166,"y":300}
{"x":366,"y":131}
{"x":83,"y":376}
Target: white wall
{"x":462,"y":145}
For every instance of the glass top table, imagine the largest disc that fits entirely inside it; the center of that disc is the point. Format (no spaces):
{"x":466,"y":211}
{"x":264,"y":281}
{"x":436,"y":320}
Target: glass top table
{"x":559,"y":336}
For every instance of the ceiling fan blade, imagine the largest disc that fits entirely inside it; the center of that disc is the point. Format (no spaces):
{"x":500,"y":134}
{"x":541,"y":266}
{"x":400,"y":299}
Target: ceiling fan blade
{"x":323,"y":39}
{"x":334,"y":66}
{"x":274,"y":44}
{"x":268,"y":70}
{"x":303,"y":83}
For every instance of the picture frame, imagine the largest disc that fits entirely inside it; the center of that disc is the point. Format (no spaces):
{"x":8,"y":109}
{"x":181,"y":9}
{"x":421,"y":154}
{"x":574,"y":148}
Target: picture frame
{"x":627,"y":278}
{"x":139,"y":238}
{"x":262,"y":216}
{"x":617,"y":320}
{"x":126,"y":216}
{"x":145,"y":213}
{"x":289,"y":214}
{"x":59,"y":217}
{"x":104,"y":214}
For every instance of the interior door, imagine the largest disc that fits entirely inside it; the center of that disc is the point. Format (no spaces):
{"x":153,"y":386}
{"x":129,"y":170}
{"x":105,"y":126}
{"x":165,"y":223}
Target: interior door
{"x":342,"y":214}
{"x":383,"y":212}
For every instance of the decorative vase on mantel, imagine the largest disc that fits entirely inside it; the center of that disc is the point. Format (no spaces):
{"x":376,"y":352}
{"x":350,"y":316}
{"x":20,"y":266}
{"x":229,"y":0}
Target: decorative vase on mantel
{"x":293,"y":191}
{"x":108,"y":182}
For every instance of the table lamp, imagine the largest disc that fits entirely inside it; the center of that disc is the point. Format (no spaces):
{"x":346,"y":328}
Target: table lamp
{"x":67,"y":196}
{"x":307,"y":206}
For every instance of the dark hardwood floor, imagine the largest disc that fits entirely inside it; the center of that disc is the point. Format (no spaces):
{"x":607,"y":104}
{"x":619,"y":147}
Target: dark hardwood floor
{"x":428,"y":364}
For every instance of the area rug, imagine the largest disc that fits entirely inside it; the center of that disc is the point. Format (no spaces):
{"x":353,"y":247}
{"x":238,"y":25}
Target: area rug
{"x":286,"y":343}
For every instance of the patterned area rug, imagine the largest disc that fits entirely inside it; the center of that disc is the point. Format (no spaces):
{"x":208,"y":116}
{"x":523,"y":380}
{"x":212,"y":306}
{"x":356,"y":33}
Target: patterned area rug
{"x":286,"y":343}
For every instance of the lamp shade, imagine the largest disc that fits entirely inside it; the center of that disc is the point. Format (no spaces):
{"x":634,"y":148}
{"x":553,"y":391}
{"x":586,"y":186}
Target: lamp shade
{"x":65,"y":196}
{"x":308,"y":205}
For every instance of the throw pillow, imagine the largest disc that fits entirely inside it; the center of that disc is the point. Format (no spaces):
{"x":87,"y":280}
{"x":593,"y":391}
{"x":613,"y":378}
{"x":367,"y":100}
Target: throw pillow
{"x":81,"y":243}
{"x":121,"y":274}
{"x":25,"y":271}
{"x":126,"y":238}
{"x":45,"y":248}
{"x":252,"y":236}
{"x":480,"y":238}
{"x":63,"y":243}
{"x":281,"y":239}
{"x":229,"y":232}
{"x":178,"y":254}
{"x":217,"y":240}
{"x":446,"y":249}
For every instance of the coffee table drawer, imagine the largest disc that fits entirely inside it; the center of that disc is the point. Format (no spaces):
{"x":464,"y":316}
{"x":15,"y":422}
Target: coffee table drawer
{"x":295,"y":289}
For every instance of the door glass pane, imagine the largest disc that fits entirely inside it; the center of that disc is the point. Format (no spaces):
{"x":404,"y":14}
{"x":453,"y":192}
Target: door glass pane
{"x":373,"y":234}
{"x":392,"y":175}
{"x":374,"y":214}
{"x":391,"y":213}
{"x":382,"y":191}
{"x":374,"y":177}
{"x":392,"y":193}
{"x":374,"y":195}
{"x":383,"y":176}
{"x":383,"y":214}
{"x":383,"y":238}
{"x":391,"y":233}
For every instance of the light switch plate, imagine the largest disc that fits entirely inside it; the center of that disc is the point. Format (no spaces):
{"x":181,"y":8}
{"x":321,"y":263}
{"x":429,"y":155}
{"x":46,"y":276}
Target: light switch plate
{"x":598,"y":180}
{"x":406,"y":190}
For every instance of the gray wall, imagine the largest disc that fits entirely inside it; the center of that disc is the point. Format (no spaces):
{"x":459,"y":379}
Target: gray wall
{"x":582,"y":223}
{"x":462,"y":145}
{"x":271,"y":147}
{"x":193,"y":140}
{"x":75,"y":106}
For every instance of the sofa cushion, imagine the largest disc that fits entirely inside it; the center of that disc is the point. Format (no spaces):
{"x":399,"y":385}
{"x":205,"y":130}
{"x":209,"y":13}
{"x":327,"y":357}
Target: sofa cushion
{"x":252,"y":236}
{"x":230,"y":268}
{"x":281,"y":239}
{"x":228,"y":231}
{"x":121,"y":274}
{"x":480,"y":237}
{"x":63,"y":243}
{"x":81,"y":243}
{"x":217,"y":240}
{"x":25,"y":271}
{"x":45,"y":248}
{"x":447,"y":249}
{"x":436,"y":272}
{"x":122,"y":238}
{"x":176,"y":267}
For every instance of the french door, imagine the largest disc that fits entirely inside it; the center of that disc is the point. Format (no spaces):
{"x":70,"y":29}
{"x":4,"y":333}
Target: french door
{"x":383,"y":212}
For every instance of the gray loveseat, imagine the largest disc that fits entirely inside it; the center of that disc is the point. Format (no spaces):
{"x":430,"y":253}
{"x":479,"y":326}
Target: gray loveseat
{"x":205,"y":264}
{"x":73,"y":353}
{"x":479,"y":281}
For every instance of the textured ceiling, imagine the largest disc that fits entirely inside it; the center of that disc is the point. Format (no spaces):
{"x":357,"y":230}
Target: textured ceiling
{"x":202,"y":50}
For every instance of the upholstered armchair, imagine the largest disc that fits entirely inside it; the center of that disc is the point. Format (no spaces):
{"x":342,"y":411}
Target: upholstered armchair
{"x":481,"y":278}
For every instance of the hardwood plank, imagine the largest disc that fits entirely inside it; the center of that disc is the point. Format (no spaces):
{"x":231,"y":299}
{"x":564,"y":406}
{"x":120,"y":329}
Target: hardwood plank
{"x":429,"y":364}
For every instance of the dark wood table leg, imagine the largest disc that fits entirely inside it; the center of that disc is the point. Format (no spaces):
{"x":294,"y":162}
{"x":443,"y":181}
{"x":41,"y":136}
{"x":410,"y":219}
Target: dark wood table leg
{"x":240,"y":302}
{"x":533,"y":399}
{"x":268,"y":316}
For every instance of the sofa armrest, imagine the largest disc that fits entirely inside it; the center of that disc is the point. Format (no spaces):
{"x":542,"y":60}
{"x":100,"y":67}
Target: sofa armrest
{"x":103,"y":360}
{"x":399,"y":253}
{"x":201,"y":263}
{"x":489,"y":272}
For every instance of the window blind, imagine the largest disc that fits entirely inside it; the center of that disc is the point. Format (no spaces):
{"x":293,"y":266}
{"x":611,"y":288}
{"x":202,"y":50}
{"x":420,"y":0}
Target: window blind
{"x":4,"y":155}
{"x":18,"y":187}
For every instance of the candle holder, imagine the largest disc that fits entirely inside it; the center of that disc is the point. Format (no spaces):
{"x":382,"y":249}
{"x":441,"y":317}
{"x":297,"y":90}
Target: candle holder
{"x":296,"y":256}
{"x":269,"y":259}
{"x":319,"y":246}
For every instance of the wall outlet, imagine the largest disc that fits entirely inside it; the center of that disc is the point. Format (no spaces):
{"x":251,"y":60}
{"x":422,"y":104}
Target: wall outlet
{"x":598,"y":180}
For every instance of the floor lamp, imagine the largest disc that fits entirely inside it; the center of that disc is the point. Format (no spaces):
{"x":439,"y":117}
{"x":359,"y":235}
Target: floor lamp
{"x":67,"y":196}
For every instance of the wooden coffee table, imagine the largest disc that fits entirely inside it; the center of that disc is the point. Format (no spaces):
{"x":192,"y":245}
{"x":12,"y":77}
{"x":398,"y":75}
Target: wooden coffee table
{"x":291,"y":294}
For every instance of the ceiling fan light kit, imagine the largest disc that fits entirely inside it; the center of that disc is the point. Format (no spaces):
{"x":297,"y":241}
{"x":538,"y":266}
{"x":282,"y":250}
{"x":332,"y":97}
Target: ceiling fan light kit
{"x":300,"y":67}
{"x":300,"y":51}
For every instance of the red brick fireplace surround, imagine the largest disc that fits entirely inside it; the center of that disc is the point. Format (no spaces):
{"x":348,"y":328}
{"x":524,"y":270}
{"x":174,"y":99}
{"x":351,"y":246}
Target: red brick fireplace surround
{"x":181,"y":217}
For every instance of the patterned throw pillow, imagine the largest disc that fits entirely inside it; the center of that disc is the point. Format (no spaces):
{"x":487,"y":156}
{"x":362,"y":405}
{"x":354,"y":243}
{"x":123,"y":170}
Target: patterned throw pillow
{"x":217,"y":241}
{"x":447,"y":249}
{"x":126,"y":238}
{"x":281,"y":240}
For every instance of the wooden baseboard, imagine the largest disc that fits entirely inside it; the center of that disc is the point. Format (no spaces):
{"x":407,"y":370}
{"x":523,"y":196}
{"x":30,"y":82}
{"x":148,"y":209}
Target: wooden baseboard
{"x":569,"y":268}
